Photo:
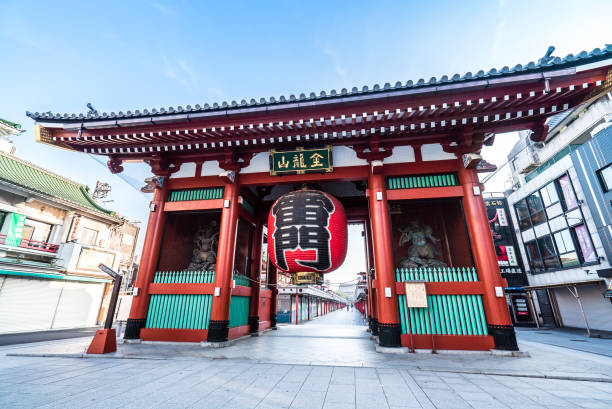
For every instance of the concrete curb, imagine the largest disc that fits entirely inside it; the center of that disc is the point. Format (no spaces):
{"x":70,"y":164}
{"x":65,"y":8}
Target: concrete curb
{"x":523,"y":374}
{"x":493,"y":352}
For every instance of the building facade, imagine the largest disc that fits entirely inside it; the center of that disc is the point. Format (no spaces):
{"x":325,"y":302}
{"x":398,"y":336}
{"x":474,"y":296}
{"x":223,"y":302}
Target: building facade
{"x":563,"y":218}
{"x":401,"y":159}
{"x":52,"y":237}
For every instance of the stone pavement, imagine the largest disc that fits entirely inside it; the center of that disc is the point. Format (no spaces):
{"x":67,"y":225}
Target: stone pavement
{"x":568,"y":338}
{"x":326,"y":363}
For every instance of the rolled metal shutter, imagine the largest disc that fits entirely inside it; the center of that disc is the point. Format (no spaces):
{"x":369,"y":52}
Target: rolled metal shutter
{"x":28,"y":304}
{"x":79,"y":305}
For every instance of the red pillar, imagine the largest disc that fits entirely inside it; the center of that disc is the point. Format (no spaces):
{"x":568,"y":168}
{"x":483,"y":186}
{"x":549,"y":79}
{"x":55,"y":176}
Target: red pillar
{"x":272,"y":285}
{"x":148,"y":264}
{"x":388,"y":315}
{"x":297,"y":309}
{"x":496,"y":309}
{"x":370,"y":298}
{"x":255,"y":277}
{"x":218,"y":327}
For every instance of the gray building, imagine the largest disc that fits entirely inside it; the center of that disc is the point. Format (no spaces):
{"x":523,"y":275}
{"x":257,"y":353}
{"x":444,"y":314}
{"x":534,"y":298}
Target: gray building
{"x":561,"y":208}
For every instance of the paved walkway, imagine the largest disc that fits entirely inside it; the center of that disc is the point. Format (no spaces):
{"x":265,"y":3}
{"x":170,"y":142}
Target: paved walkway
{"x":567,"y":338}
{"x":327,"y":363}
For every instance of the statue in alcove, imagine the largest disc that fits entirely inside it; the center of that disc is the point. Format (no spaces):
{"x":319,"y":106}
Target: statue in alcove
{"x":422,"y":251}
{"x":205,"y":241}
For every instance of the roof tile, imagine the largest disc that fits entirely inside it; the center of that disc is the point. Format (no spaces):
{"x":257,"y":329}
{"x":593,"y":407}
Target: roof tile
{"x":22,"y":173}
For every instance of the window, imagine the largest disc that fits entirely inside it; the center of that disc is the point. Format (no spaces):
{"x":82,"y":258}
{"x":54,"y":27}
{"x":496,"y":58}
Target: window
{"x":567,"y":191}
{"x":549,"y":194}
{"x":605,"y":178}
{"x":536,"y":208}
{"x":548,"y":252}
{"x":37,"y":231}
{"x":587,"y":251}
{"x":88,"y":236}
{"x":533,"y":254}
{"x":523,"y":214}
{"x":567,"y":250}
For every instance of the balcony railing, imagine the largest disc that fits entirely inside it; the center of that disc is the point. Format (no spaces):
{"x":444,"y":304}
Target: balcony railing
{"x":32,"y":244}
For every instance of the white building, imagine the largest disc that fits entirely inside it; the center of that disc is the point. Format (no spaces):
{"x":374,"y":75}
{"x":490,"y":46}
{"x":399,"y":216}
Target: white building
{"x":557,"y":236}
{"x":53,"y":236}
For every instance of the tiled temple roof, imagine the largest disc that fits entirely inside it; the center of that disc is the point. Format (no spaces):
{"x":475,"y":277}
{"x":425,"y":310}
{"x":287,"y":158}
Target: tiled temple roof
{"x":546,"y":63}
{"x":24,"y":174}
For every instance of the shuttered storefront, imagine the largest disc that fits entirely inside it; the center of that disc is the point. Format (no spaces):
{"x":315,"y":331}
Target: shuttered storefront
{"x":32,"y":304}
{"x":597,"y":308}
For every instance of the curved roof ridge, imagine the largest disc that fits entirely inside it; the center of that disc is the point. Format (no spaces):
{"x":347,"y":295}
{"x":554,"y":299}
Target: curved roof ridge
{"x":546,"y":63}
{"x":36,"y":178}
{"x":41,"y":169}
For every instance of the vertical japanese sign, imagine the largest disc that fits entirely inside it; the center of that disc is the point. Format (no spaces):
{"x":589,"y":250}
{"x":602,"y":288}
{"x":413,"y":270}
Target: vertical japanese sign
{"x":13,"y":229}
{"x":301,"y":161}
{"x":502,"y":232}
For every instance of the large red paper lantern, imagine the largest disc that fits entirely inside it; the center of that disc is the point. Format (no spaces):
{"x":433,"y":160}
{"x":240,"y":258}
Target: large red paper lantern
{"x":307,"y":232}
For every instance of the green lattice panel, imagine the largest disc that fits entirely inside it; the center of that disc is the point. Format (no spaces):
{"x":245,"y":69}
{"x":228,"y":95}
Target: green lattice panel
{"x":450,"y":315}
{"x":242,"y":280}
{"x":196,"y":194}
{"x":239,"y":311}
{"x":184,"y":277}
{"x":187,"y":311}
{"x":421,"y":181}
{"x":436,"y":274}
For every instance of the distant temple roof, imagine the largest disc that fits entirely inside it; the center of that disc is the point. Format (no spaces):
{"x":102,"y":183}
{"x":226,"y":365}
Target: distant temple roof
{"x":546,"y":63}
{"x":9,"y":128}
{"x":31,"y":177}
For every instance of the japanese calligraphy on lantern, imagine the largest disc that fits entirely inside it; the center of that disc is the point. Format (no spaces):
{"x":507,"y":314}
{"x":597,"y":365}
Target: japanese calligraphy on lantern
{"x":300,"y":161}
{"x":307,"y":232}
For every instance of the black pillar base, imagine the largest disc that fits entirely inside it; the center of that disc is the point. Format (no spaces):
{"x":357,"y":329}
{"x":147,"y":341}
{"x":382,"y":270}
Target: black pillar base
{"x":253,"y":325}
{"x":503,"y":336}
{"x":370,"y":323}
{"x":389,"y":335}
{"x":374,"y":326}
{"x":272,"y":320}
{"x":218,"y":331}
{"x":133,"y":326}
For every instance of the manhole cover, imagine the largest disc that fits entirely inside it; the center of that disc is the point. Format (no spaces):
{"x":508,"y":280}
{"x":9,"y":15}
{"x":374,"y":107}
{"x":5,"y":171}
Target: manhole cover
{"x":579,"y":340}
{"x":544,"y":333}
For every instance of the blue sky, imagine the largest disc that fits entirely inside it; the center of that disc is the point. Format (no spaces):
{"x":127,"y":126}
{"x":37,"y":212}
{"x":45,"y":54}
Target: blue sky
{"x":119,"y":55}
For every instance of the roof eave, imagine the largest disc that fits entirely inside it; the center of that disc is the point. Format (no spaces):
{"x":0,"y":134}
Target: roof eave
{"x":80,"y":123}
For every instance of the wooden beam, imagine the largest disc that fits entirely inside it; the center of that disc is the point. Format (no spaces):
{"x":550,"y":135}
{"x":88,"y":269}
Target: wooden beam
{"x":181,"y":288}
{"x":448,"y":288}
{"x":193,"y":205}
{"x":347,"y":173}
{"x":425,"y":193}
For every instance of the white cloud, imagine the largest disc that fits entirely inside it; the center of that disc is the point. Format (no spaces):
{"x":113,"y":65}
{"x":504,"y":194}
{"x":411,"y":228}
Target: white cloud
{"x":340,"y":69}
{"x":163,"y":9}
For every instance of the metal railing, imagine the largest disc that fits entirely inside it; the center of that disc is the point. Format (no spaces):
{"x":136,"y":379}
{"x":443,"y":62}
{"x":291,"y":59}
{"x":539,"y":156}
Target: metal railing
{"x":31,"y":244}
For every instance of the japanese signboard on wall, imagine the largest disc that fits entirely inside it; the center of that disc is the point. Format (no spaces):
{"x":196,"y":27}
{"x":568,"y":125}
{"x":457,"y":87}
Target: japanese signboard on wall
{"x":13,"y":229}
{"x":301,"y":161}
{"x":502,"y":232}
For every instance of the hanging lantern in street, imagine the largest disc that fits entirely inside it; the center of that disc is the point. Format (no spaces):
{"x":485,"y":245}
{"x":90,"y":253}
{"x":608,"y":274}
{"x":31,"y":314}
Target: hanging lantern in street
{"x":307,"y":232}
